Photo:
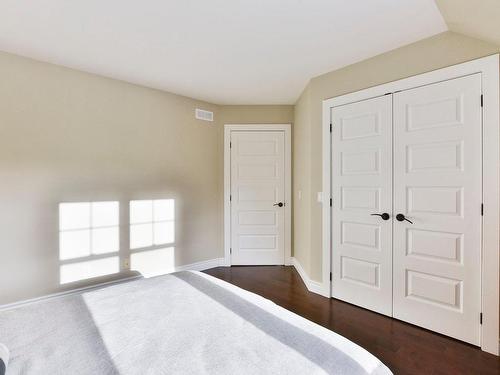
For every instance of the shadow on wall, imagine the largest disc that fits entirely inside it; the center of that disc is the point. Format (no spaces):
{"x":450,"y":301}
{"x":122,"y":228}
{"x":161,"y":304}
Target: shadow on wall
{"x":92,"y":241}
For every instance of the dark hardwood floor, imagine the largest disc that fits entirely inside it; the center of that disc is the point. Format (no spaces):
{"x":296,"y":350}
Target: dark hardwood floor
{"x":404,"y":348}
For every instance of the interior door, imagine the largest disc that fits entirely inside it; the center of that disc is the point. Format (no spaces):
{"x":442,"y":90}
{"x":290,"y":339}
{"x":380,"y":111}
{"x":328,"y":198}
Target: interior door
{"x":257,"y":197}
{"x":437,"y":186}
{"x":362,"y":203}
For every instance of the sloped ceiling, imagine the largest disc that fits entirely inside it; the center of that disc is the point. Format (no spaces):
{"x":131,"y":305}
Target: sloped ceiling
{"x":221,"y":51}
{"x":476,"y":18}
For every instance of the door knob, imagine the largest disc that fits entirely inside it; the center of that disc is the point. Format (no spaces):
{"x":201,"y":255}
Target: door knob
{"x":280,"y":204}
{"x":401,"y":217}
{"x":384,"y":216}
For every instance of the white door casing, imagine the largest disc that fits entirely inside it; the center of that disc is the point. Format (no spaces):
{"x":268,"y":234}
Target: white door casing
{"x":437,"y":186}
{"x":257,"y":197}
{"x":361,"y":189}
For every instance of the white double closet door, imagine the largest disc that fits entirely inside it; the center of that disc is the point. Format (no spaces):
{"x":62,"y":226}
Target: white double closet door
{"x":416,"y":154}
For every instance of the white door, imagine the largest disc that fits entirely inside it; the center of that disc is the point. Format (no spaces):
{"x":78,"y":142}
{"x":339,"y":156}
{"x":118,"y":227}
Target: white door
{"x":437,"y":186}
{"x":257,"y":197}
{"x":361,"y":189}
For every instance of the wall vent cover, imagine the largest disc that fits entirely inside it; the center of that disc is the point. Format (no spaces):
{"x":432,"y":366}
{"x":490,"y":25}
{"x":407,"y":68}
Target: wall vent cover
{"x":204,"y":115}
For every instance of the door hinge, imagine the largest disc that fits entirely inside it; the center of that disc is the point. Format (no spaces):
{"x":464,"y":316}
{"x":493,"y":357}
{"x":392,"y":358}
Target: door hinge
{"x":482,"y":100}
{"x":331,"y":202}
{"x":331,"y":127}
{"x":482,"y":209}
{"x":230,"y":250}
{"x":481,"y":318}
{"x":230,"y":197}
{"x":230,"y":144}
{"x":330,"y":276}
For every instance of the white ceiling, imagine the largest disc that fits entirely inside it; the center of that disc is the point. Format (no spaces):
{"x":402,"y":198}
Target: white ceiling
{"x":221,"y":51}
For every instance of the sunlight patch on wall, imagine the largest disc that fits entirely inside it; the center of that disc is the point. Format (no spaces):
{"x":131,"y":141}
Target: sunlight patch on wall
{"x":88,"y":269}
{"x":88,"y":230}
{"x":153,"y":262}
{"x":152,"y":224}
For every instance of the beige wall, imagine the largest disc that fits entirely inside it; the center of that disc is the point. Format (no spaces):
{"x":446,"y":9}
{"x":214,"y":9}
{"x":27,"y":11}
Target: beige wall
{"x":256,"y":114}
{"x":302,"y":180}
{"x":433,"y":53}
{"x":72,"y":136}
{"x":478,"y":19}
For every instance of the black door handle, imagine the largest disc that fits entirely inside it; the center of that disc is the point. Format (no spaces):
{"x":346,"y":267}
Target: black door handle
{"x":280,"y":204}
{"x":401,"y":217}
{"x":384,"y":216}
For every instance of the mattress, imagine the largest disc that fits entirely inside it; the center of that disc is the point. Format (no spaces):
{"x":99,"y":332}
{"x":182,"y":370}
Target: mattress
{"x":181,"y":323}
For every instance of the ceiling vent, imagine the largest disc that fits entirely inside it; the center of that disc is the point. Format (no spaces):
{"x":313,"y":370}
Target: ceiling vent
{"x":201,"y":114}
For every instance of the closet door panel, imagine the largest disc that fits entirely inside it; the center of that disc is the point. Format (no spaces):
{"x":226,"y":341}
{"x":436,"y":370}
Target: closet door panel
{"x":437,"y":186}
{"x":362,"y":186}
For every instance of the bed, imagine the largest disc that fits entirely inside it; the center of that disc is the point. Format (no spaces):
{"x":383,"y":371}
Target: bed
{"x":182,"y":323}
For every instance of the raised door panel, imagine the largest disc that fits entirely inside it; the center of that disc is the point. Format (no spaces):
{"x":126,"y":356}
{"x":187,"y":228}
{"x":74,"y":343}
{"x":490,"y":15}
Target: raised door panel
{"x":360,"y":162}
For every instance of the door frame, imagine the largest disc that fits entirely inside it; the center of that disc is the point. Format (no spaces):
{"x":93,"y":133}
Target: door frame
{"x":286,"y":129}
{"x":490,"y":267}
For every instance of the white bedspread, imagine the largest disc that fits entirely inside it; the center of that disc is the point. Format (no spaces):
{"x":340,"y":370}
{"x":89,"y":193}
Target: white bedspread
{"x":182,"y":323}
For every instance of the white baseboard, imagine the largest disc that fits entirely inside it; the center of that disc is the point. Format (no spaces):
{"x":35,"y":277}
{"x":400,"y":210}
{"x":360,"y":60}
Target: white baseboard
{"x":198,"y":266}
{"x":311,"y":285}
{"x":29,"y":301}
{"x":201,"y":266}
